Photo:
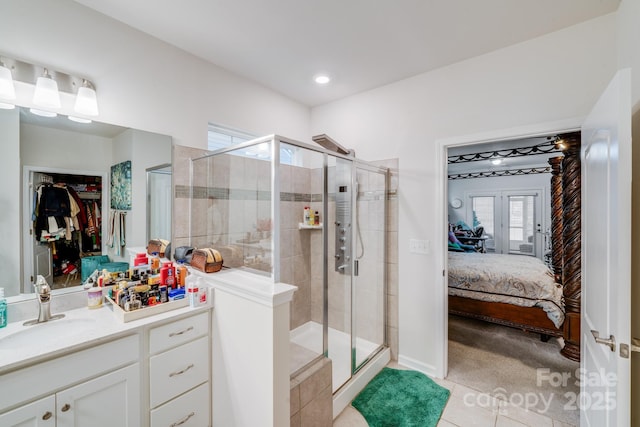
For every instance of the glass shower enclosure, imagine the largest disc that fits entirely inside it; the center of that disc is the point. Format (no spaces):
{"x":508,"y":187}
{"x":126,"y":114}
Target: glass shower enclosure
{"x":248,"y":201}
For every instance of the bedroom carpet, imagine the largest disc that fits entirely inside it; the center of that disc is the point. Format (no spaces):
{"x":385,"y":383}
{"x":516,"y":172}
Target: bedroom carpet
{"x":514,"y":365}
{"x":397,"y":397}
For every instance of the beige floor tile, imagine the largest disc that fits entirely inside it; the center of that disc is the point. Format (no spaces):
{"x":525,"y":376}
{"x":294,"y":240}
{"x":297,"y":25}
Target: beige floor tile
{"x":445,"y":423}
{"x":508,"y":422}
{"x":524,"y":416}
{"x":449,"y":385}
{"x":461,"y":413}
{"x":557,"y":423}
{"x":475,"y":398}
{"x":350,"y":417}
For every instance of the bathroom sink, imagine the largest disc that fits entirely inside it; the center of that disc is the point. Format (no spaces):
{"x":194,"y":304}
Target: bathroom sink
{"x":44,"y":333}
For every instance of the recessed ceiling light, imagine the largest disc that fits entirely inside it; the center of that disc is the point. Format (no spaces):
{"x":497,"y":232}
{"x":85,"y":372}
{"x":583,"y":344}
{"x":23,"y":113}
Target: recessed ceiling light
{"x":322,"y":79}
{"x":496,"y":161}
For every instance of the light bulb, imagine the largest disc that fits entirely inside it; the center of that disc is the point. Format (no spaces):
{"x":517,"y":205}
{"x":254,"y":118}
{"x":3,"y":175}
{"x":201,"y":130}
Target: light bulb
{"x":7,"y":89}
{"x":86,"y":100}
{"x":46,"y":94}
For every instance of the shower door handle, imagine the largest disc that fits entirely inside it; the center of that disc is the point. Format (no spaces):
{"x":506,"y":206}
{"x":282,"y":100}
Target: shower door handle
{"x":356,"y":267}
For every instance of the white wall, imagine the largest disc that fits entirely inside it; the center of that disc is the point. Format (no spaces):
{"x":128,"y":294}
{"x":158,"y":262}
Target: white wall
{"x":49,"y":147}
{"x":554,"y":77}
{"x":460,"y":188}
{"x":142,"y":82}
{"x":10,"y":218}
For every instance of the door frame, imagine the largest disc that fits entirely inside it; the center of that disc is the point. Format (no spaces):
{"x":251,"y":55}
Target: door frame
{"x":442,"y":145}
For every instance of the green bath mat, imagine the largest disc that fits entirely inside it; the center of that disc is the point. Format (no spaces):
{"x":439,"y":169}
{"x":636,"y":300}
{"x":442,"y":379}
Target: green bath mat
{"x":399,"y":398}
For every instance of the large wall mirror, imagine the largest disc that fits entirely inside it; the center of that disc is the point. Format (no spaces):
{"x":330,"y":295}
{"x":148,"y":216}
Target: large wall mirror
{"x":45,"y":159}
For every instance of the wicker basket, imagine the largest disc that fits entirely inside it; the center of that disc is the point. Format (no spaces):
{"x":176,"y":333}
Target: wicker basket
{"x":207,"y":260}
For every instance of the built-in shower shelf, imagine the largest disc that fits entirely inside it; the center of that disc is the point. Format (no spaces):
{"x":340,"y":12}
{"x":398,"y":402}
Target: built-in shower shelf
{"x":302,"y":226}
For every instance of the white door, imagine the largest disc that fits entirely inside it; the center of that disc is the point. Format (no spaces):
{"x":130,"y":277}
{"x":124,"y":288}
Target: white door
{"x":606,"y":260}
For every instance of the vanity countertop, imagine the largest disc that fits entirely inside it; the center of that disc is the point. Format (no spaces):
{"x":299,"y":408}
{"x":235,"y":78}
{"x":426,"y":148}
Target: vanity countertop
{"x":81,"y":328}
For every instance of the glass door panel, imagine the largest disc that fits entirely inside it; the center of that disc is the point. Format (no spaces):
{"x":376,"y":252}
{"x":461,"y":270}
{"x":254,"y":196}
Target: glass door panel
{"x":521,"y":221}
{"x":339,"y":260}
{"x":369,"y":273}
{"x":483,"y":211}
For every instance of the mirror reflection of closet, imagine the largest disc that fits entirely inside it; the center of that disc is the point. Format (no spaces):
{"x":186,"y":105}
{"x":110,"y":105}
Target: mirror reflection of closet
{"x":59,"y":246}
{"x":159,"y":202}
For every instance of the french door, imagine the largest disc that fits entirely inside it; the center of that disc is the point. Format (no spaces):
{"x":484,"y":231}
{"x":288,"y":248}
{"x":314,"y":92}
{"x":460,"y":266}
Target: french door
{"x":512,"y":220}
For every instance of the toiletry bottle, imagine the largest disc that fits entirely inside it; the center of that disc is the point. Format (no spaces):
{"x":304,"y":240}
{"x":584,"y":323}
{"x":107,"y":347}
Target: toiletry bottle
{"x":203,"y":291}
{"x":181,"y":274}
{"x":316,"y":218}
{"x":311,"y":218}
{"x":192,"y":291}
{"x":155,"y":261}
{"x":170,"y":280}
{"x":305,"y":218}
{"x":3,"y":309}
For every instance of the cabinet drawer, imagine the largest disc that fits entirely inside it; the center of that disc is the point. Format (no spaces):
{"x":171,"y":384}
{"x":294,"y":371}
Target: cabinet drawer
{"x":189,"y":410}
{"x":179,"y":332}
{"x":178,"y":370}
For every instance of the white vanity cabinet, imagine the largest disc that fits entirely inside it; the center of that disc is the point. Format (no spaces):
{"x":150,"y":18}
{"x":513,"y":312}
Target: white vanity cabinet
{"x":96,"y":387}
{"x":35,"y":414}
{"x":179,"y":372}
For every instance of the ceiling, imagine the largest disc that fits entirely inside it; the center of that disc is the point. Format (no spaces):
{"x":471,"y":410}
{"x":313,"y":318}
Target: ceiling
{"x":361,"y":44}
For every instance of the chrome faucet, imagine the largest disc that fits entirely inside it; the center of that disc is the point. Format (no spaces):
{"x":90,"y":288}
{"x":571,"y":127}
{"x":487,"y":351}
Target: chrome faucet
{"x":43,"y":294}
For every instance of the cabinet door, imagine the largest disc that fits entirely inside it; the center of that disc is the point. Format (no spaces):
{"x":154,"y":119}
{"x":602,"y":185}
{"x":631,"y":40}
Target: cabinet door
{"x":107,"y":401}
{"x":40,"y":413}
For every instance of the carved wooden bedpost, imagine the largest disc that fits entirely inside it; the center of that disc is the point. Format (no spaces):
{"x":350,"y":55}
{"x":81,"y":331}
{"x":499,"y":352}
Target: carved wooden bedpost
{"x":571,"y":243}
{"x":556,"y":217}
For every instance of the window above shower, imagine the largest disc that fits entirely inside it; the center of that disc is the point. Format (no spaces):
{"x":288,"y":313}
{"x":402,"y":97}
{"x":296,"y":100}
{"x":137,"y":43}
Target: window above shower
{"x":219,"y":136}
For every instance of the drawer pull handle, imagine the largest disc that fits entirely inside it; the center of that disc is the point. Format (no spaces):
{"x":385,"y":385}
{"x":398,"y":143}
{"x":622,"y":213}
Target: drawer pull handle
{"x":184,"y":420}
{"x":47,"y":415}
{"x":173,"y":374}
{"x":66,"y":407}
{"x":173,"y":334}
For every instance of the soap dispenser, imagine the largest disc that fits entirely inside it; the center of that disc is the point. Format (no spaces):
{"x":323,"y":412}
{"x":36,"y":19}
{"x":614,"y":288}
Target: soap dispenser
{"x":3,"y":309}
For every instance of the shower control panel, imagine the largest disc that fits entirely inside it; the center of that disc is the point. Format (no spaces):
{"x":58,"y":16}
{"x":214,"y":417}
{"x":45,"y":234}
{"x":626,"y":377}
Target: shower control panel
{"x":343,"y":230}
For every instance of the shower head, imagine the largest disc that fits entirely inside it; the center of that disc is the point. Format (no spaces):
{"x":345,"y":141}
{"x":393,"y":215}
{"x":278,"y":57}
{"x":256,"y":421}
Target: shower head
{"x":331,"y":145}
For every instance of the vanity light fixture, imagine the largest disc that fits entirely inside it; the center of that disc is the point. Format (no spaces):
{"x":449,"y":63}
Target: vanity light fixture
{"x":48,"y":88}
{"x":7,"y":90}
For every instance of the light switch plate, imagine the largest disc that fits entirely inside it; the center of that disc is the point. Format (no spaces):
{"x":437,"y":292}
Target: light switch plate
{"x":417,"y":246}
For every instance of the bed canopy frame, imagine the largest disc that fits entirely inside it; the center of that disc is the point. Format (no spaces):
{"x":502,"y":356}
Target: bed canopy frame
{"x":566,"y":253}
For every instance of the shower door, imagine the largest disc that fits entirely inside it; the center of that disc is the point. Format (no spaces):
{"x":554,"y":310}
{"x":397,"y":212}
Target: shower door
{"x":369,"y":272}
{"x":356,"y":265}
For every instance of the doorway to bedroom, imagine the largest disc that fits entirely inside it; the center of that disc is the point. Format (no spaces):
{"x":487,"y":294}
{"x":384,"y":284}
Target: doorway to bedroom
{"x":503,"y":343}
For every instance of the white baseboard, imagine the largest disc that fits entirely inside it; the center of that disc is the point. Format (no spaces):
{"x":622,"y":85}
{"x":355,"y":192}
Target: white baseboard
{"x":416,"y":365}
{"x":349,"y":391}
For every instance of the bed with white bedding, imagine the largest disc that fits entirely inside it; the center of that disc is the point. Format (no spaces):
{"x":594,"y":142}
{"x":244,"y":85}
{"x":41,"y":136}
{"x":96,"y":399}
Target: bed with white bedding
{"x":514,"y":290}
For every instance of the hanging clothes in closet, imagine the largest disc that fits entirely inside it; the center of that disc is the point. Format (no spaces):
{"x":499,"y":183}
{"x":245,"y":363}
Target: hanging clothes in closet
{"x":116,"y":238}
{"x":56,"y":213}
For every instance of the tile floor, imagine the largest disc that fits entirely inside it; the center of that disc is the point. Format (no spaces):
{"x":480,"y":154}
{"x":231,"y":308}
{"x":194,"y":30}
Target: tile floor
{"x":467,"y":407}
